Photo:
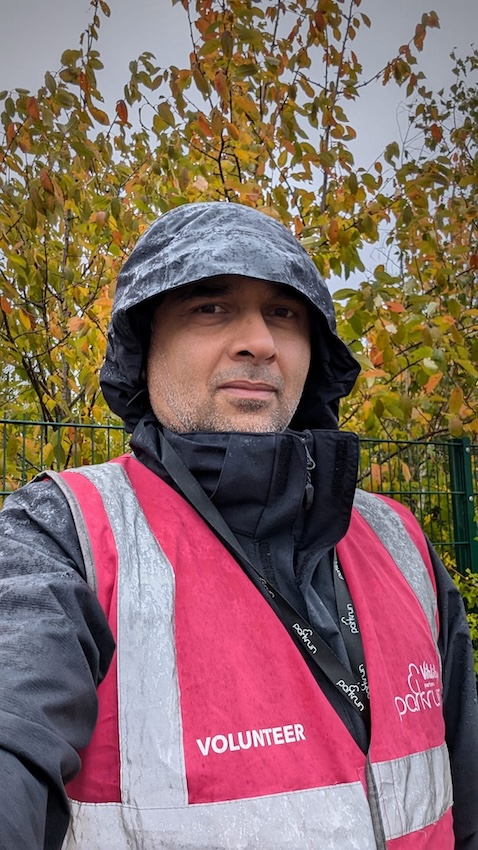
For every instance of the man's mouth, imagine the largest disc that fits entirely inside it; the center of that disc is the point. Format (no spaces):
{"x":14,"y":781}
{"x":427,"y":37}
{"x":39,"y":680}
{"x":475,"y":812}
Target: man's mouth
{"x":249,"y":389}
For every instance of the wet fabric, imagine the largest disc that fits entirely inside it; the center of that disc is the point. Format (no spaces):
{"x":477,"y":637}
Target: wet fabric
{"x":201,"y":240}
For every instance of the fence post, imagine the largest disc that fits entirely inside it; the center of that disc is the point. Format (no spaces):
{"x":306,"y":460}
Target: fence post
{"x":463,"y":494}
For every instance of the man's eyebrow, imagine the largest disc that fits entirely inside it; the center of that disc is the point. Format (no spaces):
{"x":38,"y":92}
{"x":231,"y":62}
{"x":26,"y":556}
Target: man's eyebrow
{"x":289,"y":294}
{"x":213,"y":289}
{"x":202,"y":290}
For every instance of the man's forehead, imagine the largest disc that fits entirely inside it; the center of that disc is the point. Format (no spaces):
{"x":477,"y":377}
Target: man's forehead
{"x":230,"y":285}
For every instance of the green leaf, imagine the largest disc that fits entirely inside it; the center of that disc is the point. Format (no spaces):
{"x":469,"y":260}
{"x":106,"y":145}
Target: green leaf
{"x":392,"y":151}
{"x":248,"y":69}
{"x":164,"y":111}
{"x":342,"y":294}
{"x":70,"y":57}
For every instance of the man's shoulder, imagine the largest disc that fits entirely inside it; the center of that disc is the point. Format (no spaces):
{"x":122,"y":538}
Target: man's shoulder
{"x":383,"y":505}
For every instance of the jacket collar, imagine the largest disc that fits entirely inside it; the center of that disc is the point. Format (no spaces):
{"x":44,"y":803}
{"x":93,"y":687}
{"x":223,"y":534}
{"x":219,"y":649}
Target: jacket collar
{"x":258,"y":484}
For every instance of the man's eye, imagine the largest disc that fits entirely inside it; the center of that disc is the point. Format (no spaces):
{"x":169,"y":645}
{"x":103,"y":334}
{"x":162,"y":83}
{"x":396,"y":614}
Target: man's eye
{"x":283,"y":312}
{"x":209,"y":308}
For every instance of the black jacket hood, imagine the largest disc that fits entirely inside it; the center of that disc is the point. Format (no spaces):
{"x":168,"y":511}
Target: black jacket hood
{"x":202,"y":240}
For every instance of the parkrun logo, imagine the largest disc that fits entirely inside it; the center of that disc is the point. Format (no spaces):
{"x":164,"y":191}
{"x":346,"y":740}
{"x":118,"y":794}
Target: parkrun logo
{"x":364,"y":680}
{"x":304,"y":635}
{"x":352,"y":692}
{"x":350,"y":621}
{"x":251,"y":738}
{"x":424,"y":691}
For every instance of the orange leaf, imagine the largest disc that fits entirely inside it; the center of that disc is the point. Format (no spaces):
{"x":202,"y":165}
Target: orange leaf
{"x":216,"y":122}
{"x":437,"y":132}
{"x":10,"y":132}
{"x":395,"y":307}
{"x":333,"y":231}
{"x":376,"y":356}
{"x":45,"y":181}
{"x":373,"y":373}
{"x":474,"y":261}
{"x":233,"y":131}
{"x":99,"y":115}
{"x":83,"y":81}
{"x":32,"y":108}
{"x":220,"y":84}
{"x":5,"y":305}
{"x":204,"y":125}
{"x":432,"y":382}
{"x":419,"y":36}
{"x":75,"y":324}
{"x":122,"y":111}
{"x":376,"y":474}
{"x":455,"y":426}
{"x":24,"y":141}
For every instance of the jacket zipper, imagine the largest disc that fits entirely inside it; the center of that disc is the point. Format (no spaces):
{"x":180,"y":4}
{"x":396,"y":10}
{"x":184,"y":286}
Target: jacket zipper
{"x":309,"y":487}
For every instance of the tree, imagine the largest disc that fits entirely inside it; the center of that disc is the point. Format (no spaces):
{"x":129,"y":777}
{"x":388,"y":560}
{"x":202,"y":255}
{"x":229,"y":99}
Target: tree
{"x":257,"y":117}
{"x":417,"y":319}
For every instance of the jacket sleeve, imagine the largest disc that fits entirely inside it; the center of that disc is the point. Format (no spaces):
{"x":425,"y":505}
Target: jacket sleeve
{"x":460,"y":706}
{"x":55,"y":647}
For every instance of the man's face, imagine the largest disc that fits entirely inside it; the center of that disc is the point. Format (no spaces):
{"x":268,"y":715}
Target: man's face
{"x":229,"y":353}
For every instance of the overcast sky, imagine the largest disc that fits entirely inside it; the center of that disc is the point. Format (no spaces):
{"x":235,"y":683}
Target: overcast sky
{"x":34,"y":33}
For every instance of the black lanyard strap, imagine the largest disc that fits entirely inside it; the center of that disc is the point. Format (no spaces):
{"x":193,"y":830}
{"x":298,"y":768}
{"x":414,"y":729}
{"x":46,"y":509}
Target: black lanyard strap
{"x":302,"y":632}
{"x":349,"y":626}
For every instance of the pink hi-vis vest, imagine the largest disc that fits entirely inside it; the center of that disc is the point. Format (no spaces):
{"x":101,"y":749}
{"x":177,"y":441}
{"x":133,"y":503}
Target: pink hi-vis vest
{"x":212,"y":731}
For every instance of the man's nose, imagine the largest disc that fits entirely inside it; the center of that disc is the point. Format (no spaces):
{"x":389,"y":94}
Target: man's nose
{"x":251,"y":338}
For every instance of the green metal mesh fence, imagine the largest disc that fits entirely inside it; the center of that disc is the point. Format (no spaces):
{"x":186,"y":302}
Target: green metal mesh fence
{"x":27,"y":447}
{"x":437,"y":480}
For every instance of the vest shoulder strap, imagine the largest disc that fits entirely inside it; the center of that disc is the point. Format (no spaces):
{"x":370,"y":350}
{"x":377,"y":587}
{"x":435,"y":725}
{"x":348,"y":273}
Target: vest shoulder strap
{"x":88,"y":482}
{"x":401,"y":539}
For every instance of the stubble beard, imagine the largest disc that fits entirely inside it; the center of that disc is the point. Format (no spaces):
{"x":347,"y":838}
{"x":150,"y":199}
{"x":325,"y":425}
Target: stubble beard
{"x":251,"y":416}
{"x":248,"y":414}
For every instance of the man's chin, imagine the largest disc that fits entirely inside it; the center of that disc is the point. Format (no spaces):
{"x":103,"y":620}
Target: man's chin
{"x":251,"y":418}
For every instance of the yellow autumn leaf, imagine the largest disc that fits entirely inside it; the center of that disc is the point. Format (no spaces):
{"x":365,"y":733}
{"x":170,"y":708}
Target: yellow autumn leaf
{"x":25,"y":319}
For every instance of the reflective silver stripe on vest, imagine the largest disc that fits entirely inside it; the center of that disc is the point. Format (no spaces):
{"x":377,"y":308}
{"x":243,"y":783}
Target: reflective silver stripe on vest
{"x":335,"y":818}
{"x":146,"y":637}
{"x":389,"y":527}
{"x":155,"y":812}
{"x":80,"y":525}
{"x":415,"y":791}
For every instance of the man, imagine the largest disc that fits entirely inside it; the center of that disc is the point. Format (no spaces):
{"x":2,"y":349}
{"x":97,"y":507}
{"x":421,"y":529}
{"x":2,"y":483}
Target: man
{"x":289,"y":672}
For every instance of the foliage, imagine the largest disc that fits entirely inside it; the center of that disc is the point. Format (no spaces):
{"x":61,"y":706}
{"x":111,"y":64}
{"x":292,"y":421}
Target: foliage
{"x":30,"y":446}
{"x":257,"y":116}
{"x":417,"y":324}
{"x":468,"y":587}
